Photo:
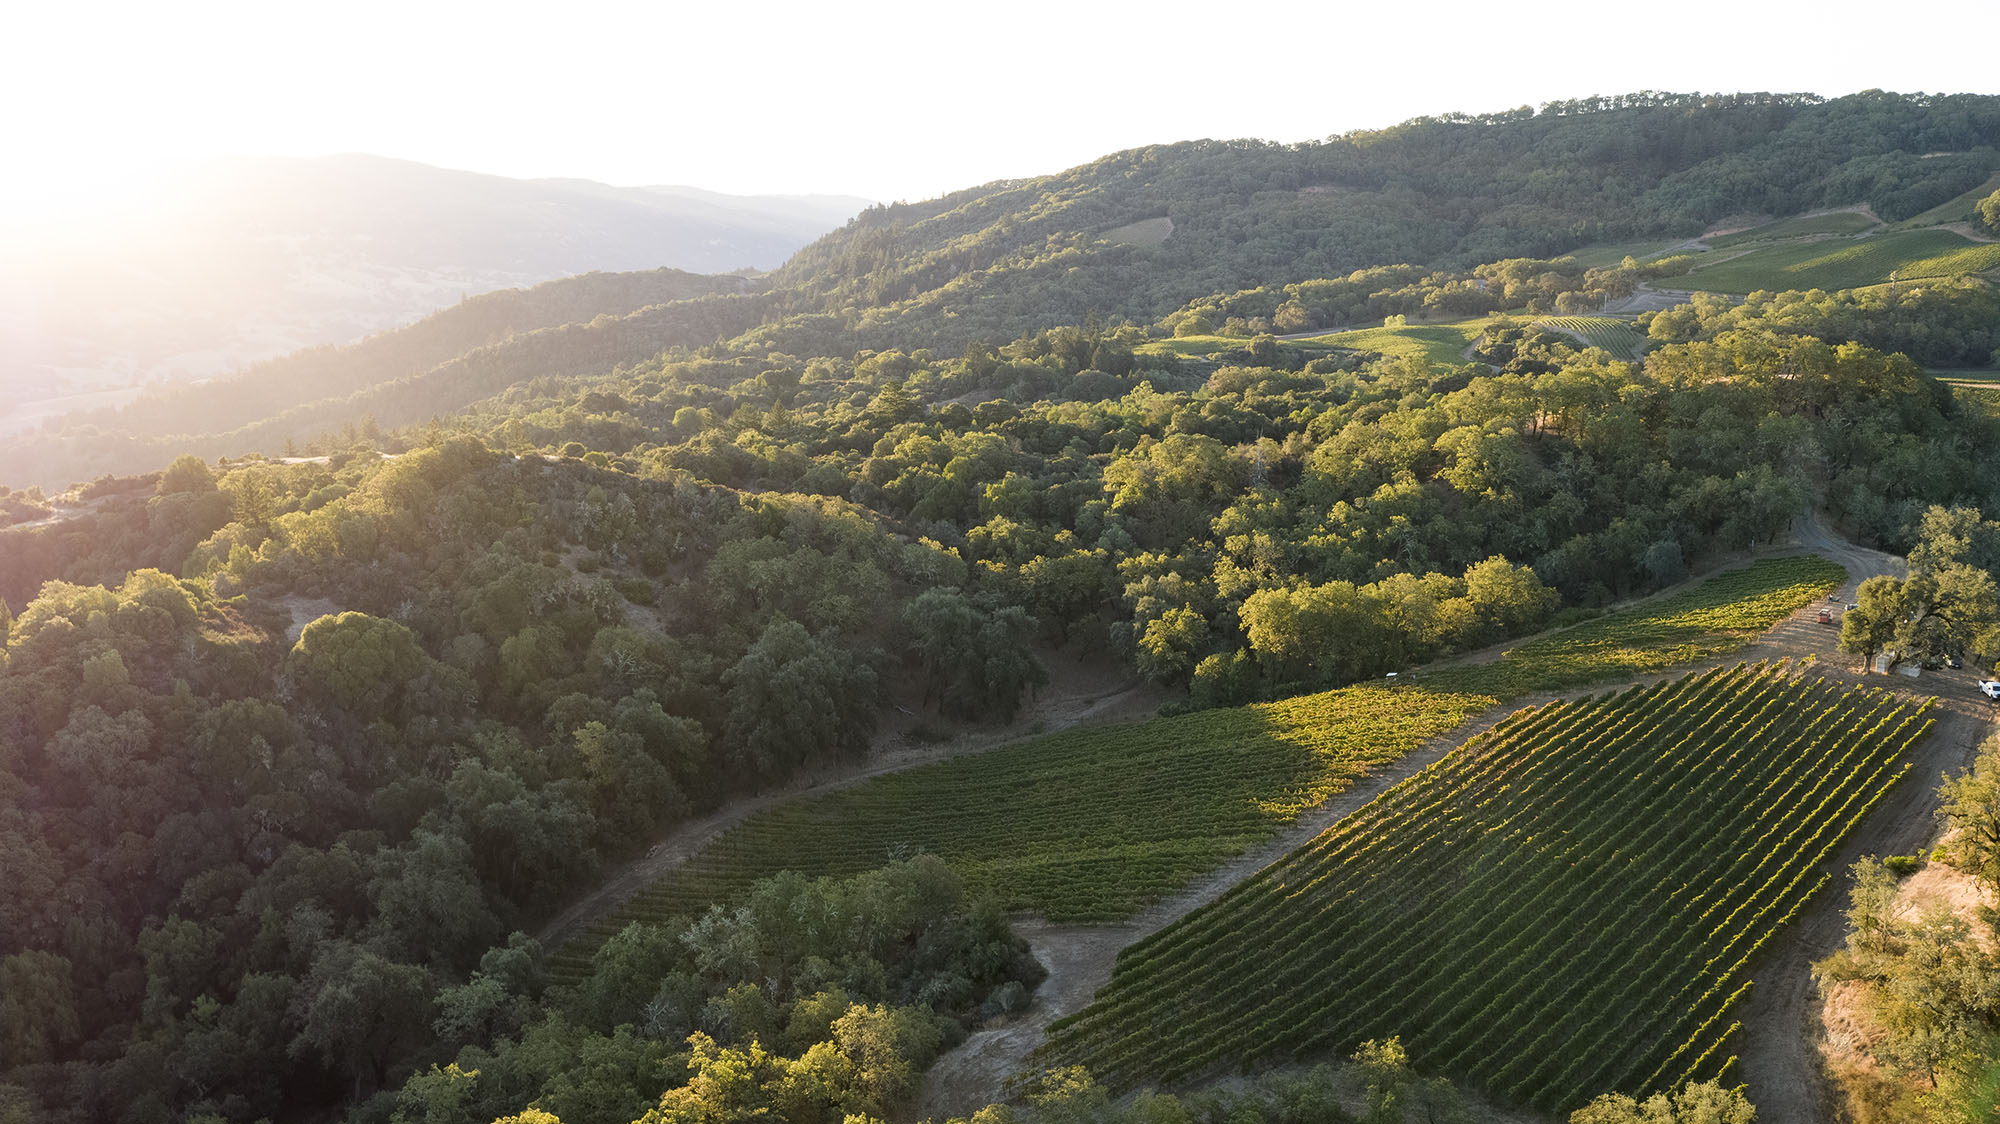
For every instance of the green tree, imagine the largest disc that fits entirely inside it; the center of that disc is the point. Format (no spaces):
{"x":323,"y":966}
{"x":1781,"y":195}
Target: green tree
{"x":1506,"y":599}
{"x":359,"y":1011}
{"x":37,"y":1006}
{"x":1970,"y":808}
{"x":1705,"y":1103}
{"x":1989,"y":212}
{"x":361,"y":661}
{"x":1871,"y":625}
{"x":794,"y":697}
{"x":1394,"y":1093}
{"x":188,"y":474}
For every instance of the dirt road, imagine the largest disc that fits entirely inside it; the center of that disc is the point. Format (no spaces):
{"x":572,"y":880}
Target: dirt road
{"x":1078,"y":694}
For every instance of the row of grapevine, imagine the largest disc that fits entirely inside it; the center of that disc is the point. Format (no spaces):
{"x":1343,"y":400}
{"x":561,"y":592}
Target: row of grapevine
{"x":1096,"y":824}
{"x":1619,"y":337}
{"x":1567,"y":905}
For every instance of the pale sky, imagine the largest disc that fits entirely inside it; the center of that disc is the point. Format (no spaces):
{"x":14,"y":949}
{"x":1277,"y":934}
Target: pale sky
{"x":900,"y":99}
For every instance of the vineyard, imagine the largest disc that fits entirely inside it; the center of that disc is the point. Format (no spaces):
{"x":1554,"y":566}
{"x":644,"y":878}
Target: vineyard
{"x":1440,"y":345}
{"x":1714,"y":618}
{"x":1095,"y":824}
{"x":1569,"y":904}
{"x":1616,"y":336}
{"x":1835,"y":222}
{"x":1843,"y":263}
{"x":1085,"y":825}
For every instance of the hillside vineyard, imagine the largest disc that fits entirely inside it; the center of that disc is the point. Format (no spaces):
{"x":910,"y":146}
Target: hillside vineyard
{"x":1564,"y":906}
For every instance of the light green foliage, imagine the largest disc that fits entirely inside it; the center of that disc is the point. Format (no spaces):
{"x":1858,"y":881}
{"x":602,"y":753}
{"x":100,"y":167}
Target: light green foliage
{"x":187,"y":474}
{"x":1440,"y":345}
{"x":1929,"y":986}
{"x":866,"y":1069}
{"x":1970,"y":805}
{"x":1704,"y":1103}
{"x":1872,"y":624}
{"x":813,"y":1001}
{"x":437,"y":1096}
{"x":1988,"y":212}
{"x":1545,"y":869}
{"x":1394,"y":1093}
{"x":1718,"y":616}
{"x":530,"y":1116}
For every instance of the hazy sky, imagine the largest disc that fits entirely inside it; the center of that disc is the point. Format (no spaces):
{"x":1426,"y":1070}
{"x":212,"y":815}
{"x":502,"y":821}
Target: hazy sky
{"x":891,"y":100}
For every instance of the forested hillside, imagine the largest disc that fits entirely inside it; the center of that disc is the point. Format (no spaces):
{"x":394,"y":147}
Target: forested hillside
{"x":352,"y":671}
{"x":1446,"y":191}
{"x":1162,"y":237}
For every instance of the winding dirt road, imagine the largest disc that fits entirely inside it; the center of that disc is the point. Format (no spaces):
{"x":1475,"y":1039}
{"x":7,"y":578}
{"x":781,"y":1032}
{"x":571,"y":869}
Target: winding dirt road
{"x":1077,"y":695}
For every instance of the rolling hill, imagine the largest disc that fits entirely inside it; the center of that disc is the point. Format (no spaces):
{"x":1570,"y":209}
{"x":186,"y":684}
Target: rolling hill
{"x":249,"y":259}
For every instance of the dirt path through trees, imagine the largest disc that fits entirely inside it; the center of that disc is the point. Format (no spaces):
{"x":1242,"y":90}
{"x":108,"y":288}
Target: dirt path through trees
{"x":1079,"y":693}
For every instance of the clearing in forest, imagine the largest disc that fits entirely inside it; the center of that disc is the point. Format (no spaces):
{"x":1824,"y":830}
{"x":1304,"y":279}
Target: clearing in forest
{"x":1567,"y":905}
{"x":1798,"y":226}
{"x":1441,"y":345}
{"x":1095,"y":824}
{"x":1618,"y":337}
{"x":1846,"y":263}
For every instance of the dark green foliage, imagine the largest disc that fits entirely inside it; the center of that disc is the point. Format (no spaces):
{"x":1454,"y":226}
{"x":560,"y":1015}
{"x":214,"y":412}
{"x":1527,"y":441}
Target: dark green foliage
{"x":1945,"y":324}
{"x":846,"y":988}
{"x":975,"y":657}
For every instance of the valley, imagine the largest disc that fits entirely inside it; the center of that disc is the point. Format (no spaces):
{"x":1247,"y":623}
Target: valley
{"x":1366,"y":628}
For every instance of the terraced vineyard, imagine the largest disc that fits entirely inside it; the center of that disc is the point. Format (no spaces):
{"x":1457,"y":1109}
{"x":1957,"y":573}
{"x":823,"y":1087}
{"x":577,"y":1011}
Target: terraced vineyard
{"x":1567,"y":905}
{"x":1616,"y":336}
{"x":1096,"y":824}
{"x":1843,"y":263}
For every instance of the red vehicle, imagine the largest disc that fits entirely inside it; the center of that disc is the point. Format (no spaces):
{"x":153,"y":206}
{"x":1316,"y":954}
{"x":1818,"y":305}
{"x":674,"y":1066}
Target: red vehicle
{"x":1825,"y":617}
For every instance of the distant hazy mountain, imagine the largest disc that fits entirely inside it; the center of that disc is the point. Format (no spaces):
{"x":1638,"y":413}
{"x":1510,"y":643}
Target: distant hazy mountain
{"x":253,"y":258}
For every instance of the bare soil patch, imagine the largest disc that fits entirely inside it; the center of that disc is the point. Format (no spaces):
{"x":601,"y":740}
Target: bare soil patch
{"x":1864,"y":1089}
{"x":1145,"y":232}
{"x":304,"y":611}
{"x":1967,"y":230}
